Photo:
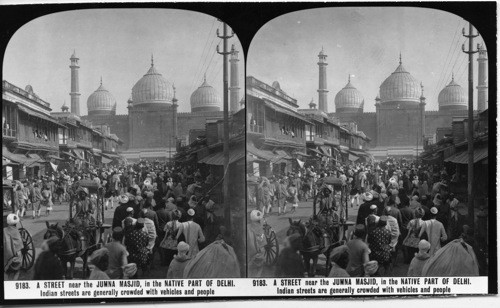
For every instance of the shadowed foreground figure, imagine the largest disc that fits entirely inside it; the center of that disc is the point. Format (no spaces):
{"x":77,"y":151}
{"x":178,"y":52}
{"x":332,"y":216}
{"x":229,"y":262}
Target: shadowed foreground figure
{"x":289,"y":260}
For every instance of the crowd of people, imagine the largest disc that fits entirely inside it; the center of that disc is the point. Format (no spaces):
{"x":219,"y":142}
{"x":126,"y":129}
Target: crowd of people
{"x":402,"y":209}
{"x":159,"y":212}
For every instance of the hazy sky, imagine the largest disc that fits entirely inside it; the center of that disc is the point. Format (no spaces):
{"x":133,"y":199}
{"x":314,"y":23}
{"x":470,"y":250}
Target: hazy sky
{"x":363,"y":42}
{"x":116,"y":44}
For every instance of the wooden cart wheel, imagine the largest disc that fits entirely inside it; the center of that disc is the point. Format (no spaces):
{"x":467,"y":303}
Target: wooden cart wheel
{"x":28,"y":250}
{"x":271,"y":248}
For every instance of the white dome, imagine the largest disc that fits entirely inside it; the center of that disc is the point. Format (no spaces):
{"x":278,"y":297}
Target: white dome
{"x":101,"y":101}
{"x":205,"y":98}
{"x":349,"y":98}
{"x":152,"y":88}
{"x":452,"y":96}
{"x":400,"y":86}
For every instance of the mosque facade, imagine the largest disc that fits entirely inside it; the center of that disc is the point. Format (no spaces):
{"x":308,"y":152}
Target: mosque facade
{"x":152,"y":127}
{"x":401,"y":126}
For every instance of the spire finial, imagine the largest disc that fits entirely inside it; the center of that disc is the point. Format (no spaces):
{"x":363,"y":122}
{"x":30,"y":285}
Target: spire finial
{"x":101,"y":80}
{"x":349,"y":78}
{"x":205,"y":77}
{"x":173,"y":87}
{"x":452,"y":76}
{"x":422,"y":87}
{"x":400,"y":60}
{"x":152,"y":60}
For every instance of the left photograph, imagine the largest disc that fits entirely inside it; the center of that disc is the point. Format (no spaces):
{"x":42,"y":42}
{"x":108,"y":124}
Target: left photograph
{"x":123,"y":147}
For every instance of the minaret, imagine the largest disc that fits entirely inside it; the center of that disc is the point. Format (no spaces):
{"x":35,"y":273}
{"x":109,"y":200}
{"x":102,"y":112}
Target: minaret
{"x":75,"y":95}
{"x":482,"y":83}
{"x":234,"y":86}
{"x":322,"y":91}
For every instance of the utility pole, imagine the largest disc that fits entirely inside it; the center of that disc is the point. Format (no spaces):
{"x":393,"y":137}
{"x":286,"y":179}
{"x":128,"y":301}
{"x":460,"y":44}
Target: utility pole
{"x":174,"y":126}
{"x":470,"y":134}
{"x":225,"y":182}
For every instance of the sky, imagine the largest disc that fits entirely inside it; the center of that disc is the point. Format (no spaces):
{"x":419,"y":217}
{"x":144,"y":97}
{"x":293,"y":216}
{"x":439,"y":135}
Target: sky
{"x":116,"y":44}
{"x":364,"y":43}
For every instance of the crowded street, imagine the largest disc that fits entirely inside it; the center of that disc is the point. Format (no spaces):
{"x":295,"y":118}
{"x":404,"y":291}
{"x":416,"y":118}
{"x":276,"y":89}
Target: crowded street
{"x":402,"y":219}
{"x":280,"y":224}
{"x":139,"y":220}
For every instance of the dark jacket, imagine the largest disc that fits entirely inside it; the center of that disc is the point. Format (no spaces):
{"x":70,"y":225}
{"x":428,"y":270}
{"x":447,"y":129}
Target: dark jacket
{"x":363,"y":212}
{"x":48,"y":267}
{"x":289,"y":264}
{"x":119,"y":215}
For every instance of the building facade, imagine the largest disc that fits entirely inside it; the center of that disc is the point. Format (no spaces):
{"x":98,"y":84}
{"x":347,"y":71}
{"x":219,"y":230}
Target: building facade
{"x":153,"y":100}
{"x":401,"y":126}
{"x":29,"y":133}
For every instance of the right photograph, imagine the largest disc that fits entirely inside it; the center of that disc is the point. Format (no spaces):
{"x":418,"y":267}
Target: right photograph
{"x":367,"y":145}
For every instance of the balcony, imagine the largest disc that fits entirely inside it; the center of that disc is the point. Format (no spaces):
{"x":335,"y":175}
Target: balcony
{"x":254,"y":128}
{"x":284,"y":138}
{"x":38,"y":141}
{"x":9,"y":133}
{"x":80,"y":143}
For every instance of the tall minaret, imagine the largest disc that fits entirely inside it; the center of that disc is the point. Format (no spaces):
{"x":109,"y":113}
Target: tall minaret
{"x":322,"y":91}
{"x":75,"y":95}
{"x":234,"y":87}
{"x":482,"y":83}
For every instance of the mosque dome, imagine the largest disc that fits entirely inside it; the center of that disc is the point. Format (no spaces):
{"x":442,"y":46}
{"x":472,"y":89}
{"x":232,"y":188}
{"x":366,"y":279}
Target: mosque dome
{"x":152,"y":88}
{"x":452,"y":97}
{"x":400,"y":86}
{"x":101,"y":102}
{"x":349,"y":99}
{"x":205,"y":98}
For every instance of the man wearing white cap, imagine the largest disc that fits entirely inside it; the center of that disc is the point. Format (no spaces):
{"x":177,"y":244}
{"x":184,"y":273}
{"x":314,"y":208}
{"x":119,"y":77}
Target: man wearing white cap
{"x":12,"y":245}
{"x":255,"y":244}
{"x":435,"y":231}
{"x":192,"y":233}
{"x":365,"y":209}
{"x":121,"y":211}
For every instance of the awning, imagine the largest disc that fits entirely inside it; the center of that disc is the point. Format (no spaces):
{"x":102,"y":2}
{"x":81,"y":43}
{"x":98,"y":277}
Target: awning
{"x":109,"y":155}
{"x":7,"y":163}
{"x":316,"y":151}
{"x":79,"y":154}
{"x":40,"y":115}
{"x":97,"y":154}
{"x":282,"y":154}
{"x":218,"y":157}
{"x":36,"y":157}
{"x":18,"y":158}
{"x":105,"y":160}
{"x":343,"y":151}
{"x":264,"y":154}
{"x":54,"y":157}
{"x":251,"y":159}
{"x":463,"y":157}
{"x":353,"y":157}
{"x":301,"y":154}
{"x":69,"y":154}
